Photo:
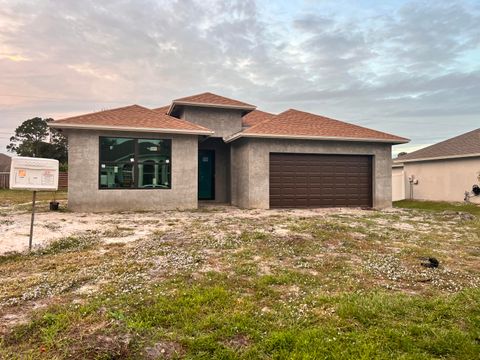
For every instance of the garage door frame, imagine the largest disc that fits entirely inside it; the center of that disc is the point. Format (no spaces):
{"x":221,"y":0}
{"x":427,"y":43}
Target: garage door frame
{"x":351,"y":160}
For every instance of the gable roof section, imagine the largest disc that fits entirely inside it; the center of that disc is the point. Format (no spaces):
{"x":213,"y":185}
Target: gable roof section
{"x":131,"y":118}
{"x":208,"y":99}
{"x":465,"y":145}
{"x":254,"y":117}
{"x":295,"y":124}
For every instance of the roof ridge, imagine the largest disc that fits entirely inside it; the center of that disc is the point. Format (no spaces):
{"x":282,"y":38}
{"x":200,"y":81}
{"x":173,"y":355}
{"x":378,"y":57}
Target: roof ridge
{"x":100,"y":111}
{"x":131,"y":116}
{"x":262,"y":122}
{"x":263,"y":111}
{"x":295,"y":123}
{"x":255,"y":116}
{"x":411,"y":156}
{"x":182,"y":121}
{"x":208,"y":93}
{"x":344,"y":122}
{"x":448,"y":140}
{"x":296,"y":110}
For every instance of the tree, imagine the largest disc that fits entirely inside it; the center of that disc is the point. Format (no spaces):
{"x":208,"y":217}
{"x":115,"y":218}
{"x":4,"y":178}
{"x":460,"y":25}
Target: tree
{"x":60,"y":146}
{"x":30,"y":139}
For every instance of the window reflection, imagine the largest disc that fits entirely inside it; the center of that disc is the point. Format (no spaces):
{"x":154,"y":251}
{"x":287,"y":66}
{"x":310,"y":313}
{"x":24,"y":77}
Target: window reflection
{"x":121,"y":157}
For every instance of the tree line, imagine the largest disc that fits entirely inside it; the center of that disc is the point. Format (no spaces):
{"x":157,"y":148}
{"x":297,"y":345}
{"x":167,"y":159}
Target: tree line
{"x":35,"y":139}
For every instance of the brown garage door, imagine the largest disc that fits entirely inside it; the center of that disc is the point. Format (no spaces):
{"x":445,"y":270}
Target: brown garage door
{"x":311,"y":180}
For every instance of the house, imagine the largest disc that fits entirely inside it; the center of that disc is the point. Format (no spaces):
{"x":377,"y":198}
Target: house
{"x":208,"y":147}
{"x":440,"y":172}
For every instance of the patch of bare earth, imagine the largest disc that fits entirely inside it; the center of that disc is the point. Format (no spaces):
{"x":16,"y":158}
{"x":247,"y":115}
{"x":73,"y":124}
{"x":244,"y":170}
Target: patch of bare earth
{"x":164,"y":350}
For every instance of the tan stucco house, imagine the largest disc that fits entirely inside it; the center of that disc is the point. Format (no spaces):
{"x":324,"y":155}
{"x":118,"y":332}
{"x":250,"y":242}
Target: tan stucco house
{"x":440,"y":172}
{"x":211,"y":148}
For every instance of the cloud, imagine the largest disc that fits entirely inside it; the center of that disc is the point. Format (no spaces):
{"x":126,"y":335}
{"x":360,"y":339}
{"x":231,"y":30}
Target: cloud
{"x":409,"y":68}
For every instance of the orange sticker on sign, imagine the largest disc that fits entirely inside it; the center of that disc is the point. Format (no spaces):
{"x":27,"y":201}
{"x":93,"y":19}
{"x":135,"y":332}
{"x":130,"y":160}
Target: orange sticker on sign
{"x":22,"y":173}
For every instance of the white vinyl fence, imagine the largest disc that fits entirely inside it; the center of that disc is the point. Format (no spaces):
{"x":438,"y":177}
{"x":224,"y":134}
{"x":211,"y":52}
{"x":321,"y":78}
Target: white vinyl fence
{"x":398,"y":185}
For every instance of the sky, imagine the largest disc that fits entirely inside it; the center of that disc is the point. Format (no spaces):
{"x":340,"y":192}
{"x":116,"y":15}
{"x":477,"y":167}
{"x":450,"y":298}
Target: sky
{"x":411,"y":68}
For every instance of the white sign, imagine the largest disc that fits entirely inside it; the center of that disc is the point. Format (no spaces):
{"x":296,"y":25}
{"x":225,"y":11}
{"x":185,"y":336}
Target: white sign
{"x":36,"y":174}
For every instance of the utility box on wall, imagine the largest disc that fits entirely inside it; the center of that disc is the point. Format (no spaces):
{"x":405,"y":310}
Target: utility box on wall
{"x":36,"y":174}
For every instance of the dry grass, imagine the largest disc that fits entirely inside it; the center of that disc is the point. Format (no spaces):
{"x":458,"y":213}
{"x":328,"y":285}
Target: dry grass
{"x":250,"y":284}
{"x":11,"y":197}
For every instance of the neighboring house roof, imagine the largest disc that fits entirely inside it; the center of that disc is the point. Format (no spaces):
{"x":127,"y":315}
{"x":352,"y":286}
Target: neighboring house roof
{"x":254,"y":117}
{"x":208,"y":99}
{"x":5,"y":161}
{"x":131,"y":118}
{"x":465,"y":145}
{"x":295,"y":124}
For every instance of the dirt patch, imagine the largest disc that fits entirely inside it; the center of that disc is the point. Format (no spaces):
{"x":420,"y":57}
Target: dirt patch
{"x":51,"y":226}
{"x":164,"y":350}
{"x":238,"y":342}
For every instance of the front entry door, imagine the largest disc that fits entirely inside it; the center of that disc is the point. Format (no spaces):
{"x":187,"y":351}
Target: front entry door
{"x":206,"y":174}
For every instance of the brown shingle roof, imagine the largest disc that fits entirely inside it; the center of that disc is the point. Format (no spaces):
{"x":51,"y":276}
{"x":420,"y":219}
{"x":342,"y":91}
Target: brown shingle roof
{"x":254,"y":117}
{"x":133,"y":117}
{"x":163,"y":109}
{"x":459,"y":146}
{"x":299,"y":124}
{"x":208,"y":98}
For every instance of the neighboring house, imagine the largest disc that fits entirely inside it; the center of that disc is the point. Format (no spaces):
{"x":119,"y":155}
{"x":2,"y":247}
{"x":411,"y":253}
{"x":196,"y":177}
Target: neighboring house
{"x":5,"y":161}
{"x":208,"y":147}
{"x":440,"y":172}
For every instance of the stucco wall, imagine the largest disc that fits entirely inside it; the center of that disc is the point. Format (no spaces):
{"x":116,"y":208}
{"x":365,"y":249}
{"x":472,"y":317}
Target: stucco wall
{"x":222,"y":168}
{"x":239,"y":158}
{"x":83,"y":167}
{"x":223,"y":121}
{"x":442,"y":180}
{"x":250,"y":157}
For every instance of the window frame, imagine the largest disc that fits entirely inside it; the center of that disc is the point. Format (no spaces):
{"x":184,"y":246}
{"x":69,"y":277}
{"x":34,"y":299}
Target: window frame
{"x":135,"y":163}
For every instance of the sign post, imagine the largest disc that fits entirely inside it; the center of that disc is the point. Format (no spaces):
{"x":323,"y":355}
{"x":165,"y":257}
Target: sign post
{"x":31,"y":223}
{"x":34,"y":174}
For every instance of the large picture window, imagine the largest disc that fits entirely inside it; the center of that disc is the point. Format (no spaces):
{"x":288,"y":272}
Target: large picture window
{"x":127,"y":163}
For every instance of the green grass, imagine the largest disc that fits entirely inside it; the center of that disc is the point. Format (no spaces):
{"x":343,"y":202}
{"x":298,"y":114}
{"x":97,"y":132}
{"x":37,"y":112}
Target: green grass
{"x":63,"y":245}
{"x":10,"y":197}
{"x":214,"y":319}
{"x":438,"y":206}
{"x":69,"y":244}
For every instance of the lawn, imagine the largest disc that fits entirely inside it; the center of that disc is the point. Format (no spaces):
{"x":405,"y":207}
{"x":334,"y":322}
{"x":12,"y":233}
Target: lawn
{"x":21,"y":201}
{"x":247,"y":284}
{"x":11,"y":197}
{"x":438,"y":206}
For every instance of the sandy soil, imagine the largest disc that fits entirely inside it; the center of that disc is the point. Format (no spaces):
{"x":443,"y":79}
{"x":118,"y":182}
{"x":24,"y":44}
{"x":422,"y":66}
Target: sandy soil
{"x":123,"y":227}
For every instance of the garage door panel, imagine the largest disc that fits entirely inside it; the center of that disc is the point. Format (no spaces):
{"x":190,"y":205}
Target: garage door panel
{"x":310,"y":180}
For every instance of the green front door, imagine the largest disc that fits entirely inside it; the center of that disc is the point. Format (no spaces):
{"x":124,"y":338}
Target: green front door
{"x":206,"y":175}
